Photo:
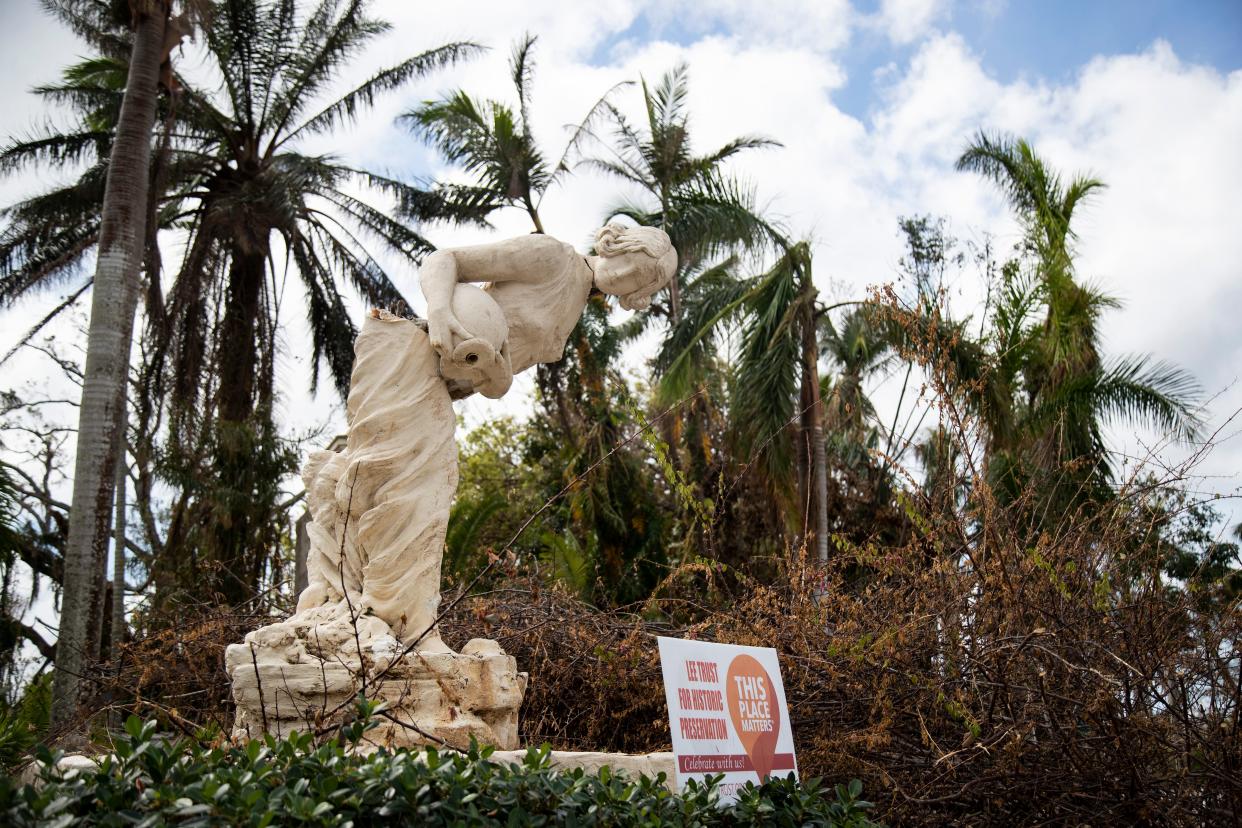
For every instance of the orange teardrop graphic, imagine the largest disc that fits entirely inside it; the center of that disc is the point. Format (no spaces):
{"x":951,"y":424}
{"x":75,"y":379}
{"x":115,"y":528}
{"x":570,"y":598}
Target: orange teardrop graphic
{"x":753,"y":708}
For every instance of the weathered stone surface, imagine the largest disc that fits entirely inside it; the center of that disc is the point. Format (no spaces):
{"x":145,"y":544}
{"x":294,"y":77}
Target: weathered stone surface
{"x":634,"y":764}
{"x":285,"y":679}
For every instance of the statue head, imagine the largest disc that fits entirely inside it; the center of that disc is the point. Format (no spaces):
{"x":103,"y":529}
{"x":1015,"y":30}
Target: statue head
{"x":633,"y":263}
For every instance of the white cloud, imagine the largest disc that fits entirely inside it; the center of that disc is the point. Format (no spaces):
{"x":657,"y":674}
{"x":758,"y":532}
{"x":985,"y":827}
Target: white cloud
{"x":1163,"y":134}
{"x":822,"y":25}
{"x":905,"y":21}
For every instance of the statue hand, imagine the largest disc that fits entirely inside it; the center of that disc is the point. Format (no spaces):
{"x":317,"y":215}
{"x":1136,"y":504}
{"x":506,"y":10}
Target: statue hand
{"x":441,"y":328}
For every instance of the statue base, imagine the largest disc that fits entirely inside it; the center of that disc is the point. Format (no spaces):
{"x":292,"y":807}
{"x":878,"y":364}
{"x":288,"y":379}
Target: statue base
{"x":304,"y":674}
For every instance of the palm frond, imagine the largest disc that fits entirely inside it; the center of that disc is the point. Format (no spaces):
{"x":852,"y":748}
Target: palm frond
{"x":94,"y":87}
{"x":332,"y":331}
{"x":364,"y":273}
{"x":1081,"y":188}
{"x":444,"y":202}
{"x":1008,"y":163}
{"x":345,"y":109}
{"x":735,"y":146}
{"x":486,"y":140}
{"x":96,"y":22}
{"x":584,"y":130}
{"x":327,"y":41}
{"x":667,"y":104}
{"x":458,"y":126}
{"x":47,"y":236}
{"x":709,"y":303}
{"x":275,"y":57}
{"x":33,"y":331}
{"x":58,"y":150}
{"x":716,"y":215}
{"x":394,"y":234}
{"x":617,"y":168}
{"x":631,"y":146}
{"x":522,"y":70}
{"x":467,"y":520}
{"x":769,"y":363}
{"x":1136,"y":389}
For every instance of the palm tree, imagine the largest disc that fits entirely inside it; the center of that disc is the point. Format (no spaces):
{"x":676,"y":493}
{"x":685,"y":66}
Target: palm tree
{"x":775,"y":380}
{"x":711,"y":218}
{"x":494,"y":143}
{"x":251,"y":207}
{"x":860,"y":347}
{"x":253,"y":204}
{"x":1049,"y":389}
{"x":122,"y":230}
{"x":705,"y":211}
{"x":491,"y":142}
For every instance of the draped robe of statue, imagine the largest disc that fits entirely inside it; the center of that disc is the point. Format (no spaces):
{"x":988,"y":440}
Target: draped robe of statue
{"x":379,"y":509}
{"x":379,"y":513}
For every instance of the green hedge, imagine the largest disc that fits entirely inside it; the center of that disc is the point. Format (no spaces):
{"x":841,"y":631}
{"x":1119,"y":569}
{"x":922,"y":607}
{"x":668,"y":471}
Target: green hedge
{"x":281,"y":782}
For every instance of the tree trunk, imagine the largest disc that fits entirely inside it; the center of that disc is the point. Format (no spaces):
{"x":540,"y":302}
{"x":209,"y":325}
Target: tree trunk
{"x":116,"y":628}
{"x":238,"y":353}
{"x":804,"y":454}
{"x":818,"y":478}
{"x":118,"y":547}
{"x":101,"y":635}
{"x":674,"y":286}
{"x":237,"y":430}
{"x":121,"y":235}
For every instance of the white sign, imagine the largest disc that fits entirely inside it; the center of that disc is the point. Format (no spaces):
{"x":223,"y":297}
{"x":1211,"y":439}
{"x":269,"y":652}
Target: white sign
{"x":727,"y":713}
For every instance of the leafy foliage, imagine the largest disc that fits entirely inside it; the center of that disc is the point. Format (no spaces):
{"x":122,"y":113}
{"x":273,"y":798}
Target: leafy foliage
{"x":1047,"y":390}
{"x":274,"y":782}
{"x":1004,"y":631}
{"x":24,"y":724}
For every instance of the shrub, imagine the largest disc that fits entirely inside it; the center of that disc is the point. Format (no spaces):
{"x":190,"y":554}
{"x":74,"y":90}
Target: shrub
{"x":275,"y":782}
{"x":24,"y":723}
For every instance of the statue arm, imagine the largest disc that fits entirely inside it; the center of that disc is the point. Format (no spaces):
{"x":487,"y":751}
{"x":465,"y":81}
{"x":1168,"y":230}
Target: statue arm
{"x":438,"y":277}
{"x":530,"y":258}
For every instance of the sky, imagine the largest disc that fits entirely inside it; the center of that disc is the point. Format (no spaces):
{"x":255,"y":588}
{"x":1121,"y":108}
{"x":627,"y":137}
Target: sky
{"x":873,"y":102}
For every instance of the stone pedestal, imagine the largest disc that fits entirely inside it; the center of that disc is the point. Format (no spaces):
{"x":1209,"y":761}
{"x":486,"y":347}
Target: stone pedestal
{"x":633,"y":764}
{"x":304,"y":674}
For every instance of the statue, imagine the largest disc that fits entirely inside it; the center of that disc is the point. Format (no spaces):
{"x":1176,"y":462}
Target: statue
{"x":379,"y":508}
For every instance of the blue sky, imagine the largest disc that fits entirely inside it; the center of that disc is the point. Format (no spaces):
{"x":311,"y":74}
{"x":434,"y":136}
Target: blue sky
{"x":1051,"y":36}
{"x":1053,"y":39}
{"x":1016,"y":39}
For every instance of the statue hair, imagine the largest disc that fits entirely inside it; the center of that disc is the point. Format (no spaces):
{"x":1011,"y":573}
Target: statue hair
{"x":616,"y":239}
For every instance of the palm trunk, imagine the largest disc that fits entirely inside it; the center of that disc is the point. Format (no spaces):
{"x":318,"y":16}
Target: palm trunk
{"x":674,"y":286}
{"x":236,"y":426}
{"x":99,"y":634}
{"x":533,"y":212}
{"x":117,"y":625}
{"x":818,"y":478}
{"x":121,"y":236}
{"x":118,"y":549}
{"x":803,"y":453}
{"x":237,"y":335}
